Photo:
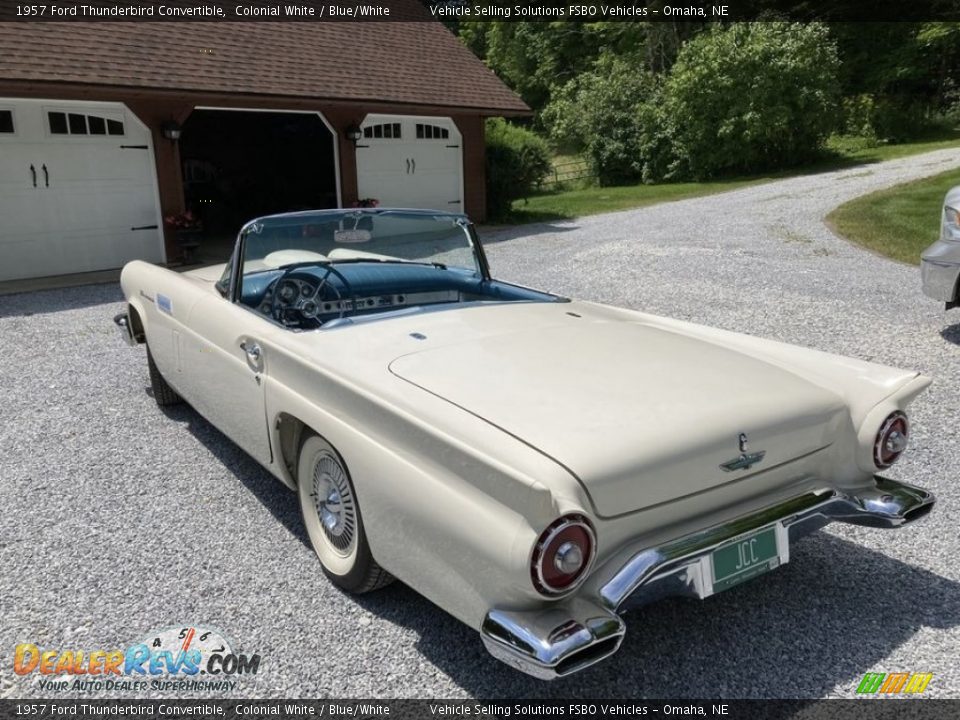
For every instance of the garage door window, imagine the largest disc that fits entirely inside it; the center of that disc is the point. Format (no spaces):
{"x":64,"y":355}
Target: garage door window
{"x":6,"y":121}
{"x":390,"y":131}
{"x":432,"y":132}
{"x":79,"y":124}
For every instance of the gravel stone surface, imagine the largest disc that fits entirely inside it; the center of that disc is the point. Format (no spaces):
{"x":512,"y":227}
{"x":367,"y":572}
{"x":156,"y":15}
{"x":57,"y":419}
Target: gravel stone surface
{"x":119,"y":517}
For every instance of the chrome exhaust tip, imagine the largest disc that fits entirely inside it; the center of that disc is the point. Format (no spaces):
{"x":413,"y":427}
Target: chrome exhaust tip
{"x":554,"y":642}
{"x":889,"y":504}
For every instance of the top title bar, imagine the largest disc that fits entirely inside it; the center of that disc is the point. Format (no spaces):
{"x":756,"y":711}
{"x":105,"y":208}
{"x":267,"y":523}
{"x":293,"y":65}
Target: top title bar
{"x":465,"y":10}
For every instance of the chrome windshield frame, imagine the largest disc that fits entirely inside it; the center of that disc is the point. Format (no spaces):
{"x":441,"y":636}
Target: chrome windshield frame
{"x":473,"y":243}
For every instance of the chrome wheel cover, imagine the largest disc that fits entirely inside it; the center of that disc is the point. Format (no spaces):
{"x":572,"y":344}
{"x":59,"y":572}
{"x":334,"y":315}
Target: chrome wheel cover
{"x":334,"y":503}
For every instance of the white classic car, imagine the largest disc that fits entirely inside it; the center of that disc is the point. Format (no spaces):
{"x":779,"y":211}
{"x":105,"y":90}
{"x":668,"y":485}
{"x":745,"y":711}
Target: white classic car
{"x":533,"y":465}
{"x":940,"y":263}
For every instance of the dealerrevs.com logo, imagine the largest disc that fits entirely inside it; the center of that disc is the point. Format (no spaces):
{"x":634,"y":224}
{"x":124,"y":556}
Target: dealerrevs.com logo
{"x":176,"y":658}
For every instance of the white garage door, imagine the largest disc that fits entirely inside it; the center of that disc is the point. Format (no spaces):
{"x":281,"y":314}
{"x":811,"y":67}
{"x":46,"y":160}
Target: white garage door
{"x":411,"y":162}
{"x":77,"y":189}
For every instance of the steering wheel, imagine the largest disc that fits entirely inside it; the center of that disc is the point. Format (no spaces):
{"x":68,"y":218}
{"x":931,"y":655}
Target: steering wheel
{"x":309,"y":307}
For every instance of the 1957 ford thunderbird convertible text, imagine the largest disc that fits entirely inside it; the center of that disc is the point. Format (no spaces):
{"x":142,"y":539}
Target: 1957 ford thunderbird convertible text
{"x":531,"y":464}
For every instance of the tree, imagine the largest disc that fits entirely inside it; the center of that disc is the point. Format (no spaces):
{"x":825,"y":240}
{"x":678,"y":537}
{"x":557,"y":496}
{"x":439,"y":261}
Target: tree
{"x":531,"y":57}
{"x":537,"y":58}
{"x":896,"y":77}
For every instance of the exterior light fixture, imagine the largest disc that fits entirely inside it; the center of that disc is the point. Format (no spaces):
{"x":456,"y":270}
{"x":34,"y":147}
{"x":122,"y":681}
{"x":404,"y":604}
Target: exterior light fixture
{"x":171,"y":130}
{"x":353,"y":133}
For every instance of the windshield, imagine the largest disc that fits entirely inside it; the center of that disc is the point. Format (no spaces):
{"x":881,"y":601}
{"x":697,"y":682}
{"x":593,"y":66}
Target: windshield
{"x":351,"y":236}
{"x":335,"y":268}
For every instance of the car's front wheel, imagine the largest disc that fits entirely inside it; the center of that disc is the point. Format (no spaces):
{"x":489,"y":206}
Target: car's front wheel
{"x":162,"y":392}
{"x":332,"y":516}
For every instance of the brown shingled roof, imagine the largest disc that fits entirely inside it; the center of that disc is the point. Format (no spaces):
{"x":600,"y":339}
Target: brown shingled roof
{"x":416,"y":63}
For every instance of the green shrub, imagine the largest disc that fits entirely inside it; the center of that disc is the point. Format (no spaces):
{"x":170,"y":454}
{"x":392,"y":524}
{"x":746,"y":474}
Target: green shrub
{"x":601,"y":114}
{"x":750,"y":97}
{"x":517,"y":161}
{"x":858,"y":117}
{"x":741,"y":98}
{"x":888,"y":118}
{"x":898,"y":119}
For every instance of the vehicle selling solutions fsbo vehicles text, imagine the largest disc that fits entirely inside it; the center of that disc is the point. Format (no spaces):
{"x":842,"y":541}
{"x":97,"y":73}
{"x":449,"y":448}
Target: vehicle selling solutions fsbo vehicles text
{"x":506,"y":12}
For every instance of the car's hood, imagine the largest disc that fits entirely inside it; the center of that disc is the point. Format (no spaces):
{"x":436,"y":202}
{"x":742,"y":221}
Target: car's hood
{"x":639,"y":413}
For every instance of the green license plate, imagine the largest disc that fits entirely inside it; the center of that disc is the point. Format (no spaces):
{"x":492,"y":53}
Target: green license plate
{"x":745,"y":558}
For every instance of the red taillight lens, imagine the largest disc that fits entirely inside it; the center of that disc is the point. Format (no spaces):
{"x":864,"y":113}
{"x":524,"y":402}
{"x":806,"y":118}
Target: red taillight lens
{"x":562,"y":555}
{"x":891,"y":440}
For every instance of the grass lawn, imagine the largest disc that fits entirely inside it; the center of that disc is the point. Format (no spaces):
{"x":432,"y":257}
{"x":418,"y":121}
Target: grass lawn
{"x":840,"y":153}
{"x":846,"y":151}
{"x":898,"y":222}
{"x":592,"y":200}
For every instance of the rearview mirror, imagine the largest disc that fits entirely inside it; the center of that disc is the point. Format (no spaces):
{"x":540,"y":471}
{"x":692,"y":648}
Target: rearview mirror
{"x":352,"y":236}
{"x":360,"y":232}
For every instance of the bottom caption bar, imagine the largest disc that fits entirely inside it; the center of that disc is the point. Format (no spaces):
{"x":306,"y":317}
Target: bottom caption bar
{"x":579,"y":709}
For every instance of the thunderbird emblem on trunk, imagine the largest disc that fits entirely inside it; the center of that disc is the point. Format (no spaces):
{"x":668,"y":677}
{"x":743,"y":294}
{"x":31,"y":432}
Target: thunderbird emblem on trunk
{"x":746,"y":460}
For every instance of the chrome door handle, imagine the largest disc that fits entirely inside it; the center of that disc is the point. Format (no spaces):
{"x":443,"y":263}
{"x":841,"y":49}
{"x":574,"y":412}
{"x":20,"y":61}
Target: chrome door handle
{"x":413,"y":161}
{"x":33,"y":174}
{"x":253,"y":352}
{"x":46,"y":176}
{"x":408,"y":166}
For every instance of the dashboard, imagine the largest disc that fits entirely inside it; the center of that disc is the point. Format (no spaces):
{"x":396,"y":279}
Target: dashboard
{"x":291,"y":300}
{"x":310,"y":297}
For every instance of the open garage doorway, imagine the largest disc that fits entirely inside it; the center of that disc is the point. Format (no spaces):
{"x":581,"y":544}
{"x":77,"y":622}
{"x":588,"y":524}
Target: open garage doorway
{"x":239,"y":164}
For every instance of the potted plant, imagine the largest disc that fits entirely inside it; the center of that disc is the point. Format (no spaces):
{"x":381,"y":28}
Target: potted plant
{"x":188,"y":228}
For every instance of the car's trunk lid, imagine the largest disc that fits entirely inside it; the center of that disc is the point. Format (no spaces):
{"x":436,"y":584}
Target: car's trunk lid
{"x":641,"y":415}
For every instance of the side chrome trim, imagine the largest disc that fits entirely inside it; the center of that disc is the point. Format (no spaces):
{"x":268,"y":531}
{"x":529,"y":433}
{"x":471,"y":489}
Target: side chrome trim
{"x":570,"y":635}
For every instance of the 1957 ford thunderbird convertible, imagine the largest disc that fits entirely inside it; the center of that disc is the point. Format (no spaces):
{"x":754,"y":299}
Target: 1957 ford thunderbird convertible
{"x":533,"y":465}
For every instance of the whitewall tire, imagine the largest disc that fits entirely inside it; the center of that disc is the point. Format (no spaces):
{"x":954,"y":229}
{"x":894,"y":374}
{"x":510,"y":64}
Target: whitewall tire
{"x":332,"y":517}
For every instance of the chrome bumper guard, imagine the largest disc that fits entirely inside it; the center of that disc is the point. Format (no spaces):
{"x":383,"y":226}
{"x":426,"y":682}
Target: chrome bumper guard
{"x":579,"y":632}
{"x":122,"y":321}
{"x":939,"y":278}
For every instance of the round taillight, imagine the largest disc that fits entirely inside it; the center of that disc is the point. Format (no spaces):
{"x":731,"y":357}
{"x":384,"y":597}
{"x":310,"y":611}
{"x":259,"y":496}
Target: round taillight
{"x":562,"y":555}
{"x":891,"y":440}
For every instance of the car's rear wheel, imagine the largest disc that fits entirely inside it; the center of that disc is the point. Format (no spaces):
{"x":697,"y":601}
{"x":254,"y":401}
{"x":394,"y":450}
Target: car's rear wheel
{"x":162,"y":392}
{"x":332,"y":516}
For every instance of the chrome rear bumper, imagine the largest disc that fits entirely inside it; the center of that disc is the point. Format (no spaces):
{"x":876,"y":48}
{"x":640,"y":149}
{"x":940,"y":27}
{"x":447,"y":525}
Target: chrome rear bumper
{"x":939,"y":275}
{"x":122,"y":321}
{"x":576,"y":633}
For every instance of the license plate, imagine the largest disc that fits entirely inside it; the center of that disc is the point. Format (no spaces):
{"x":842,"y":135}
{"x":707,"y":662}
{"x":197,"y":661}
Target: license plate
{"x":745,"y":558}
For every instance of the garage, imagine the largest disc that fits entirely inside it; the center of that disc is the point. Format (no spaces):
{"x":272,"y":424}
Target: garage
{"x":410,"y":161}
{"x":78,"y":188}
{"x":240,"y":164}
{"x":94,"y":154}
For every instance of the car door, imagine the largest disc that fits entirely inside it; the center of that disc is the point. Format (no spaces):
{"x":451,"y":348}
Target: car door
{"x":224,"y":368}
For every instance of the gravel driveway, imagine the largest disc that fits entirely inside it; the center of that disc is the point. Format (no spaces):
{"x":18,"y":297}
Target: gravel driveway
{"x":120,"y":518}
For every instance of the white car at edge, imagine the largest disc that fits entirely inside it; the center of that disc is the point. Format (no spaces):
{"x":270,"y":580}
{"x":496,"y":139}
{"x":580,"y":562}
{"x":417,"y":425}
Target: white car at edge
{"x":940,"y":263}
